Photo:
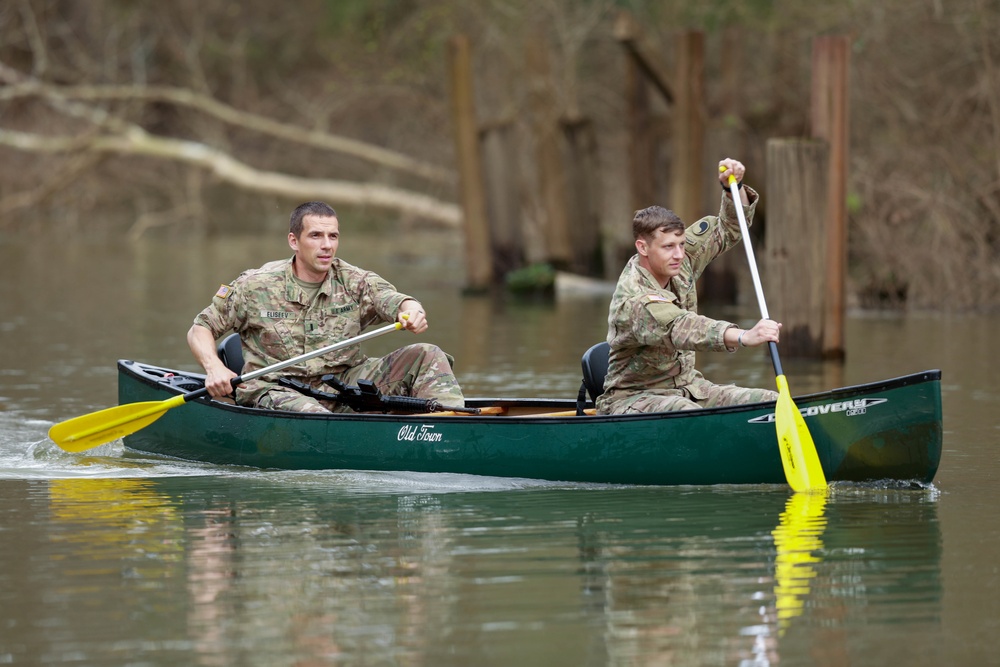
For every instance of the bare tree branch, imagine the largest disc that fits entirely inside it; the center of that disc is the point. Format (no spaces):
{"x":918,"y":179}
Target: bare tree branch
{"x":41,"y":59}
{"x":188,"y":98}
{"x":122,"y":137}
{"x":138,"y":142}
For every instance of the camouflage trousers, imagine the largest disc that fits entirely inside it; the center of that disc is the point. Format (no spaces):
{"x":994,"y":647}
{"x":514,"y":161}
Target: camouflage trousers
{"x":669,"y":400}
{"x":421,"y":370}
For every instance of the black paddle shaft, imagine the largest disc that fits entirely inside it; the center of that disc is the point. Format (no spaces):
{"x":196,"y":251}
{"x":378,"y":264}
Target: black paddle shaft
{"x":773,"y":347}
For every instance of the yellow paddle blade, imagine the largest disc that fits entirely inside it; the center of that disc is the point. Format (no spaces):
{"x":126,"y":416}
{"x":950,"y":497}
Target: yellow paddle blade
{"x":97,"y":428}
{"x":798,"y":451}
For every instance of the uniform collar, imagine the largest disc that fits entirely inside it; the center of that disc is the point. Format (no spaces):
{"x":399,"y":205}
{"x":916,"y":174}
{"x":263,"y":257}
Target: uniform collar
{"x":292,"y":290}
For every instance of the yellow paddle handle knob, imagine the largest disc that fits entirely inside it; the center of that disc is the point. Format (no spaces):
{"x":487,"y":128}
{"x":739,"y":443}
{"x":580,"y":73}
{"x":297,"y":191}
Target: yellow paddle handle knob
{"x":722,"y":170}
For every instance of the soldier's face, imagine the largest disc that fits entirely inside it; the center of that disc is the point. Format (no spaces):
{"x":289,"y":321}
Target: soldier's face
{"x":662,"y":255}
{"x":315,"y":247}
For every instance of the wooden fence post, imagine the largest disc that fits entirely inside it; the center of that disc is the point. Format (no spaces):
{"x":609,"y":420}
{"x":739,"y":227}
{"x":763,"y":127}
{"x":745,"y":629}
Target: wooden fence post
{"x":830,"y":65}
{"x":478,"y":255}
{"x":794,"y":272}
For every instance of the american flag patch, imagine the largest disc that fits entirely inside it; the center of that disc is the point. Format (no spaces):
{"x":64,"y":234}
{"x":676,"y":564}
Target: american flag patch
{"x":224,"y":291}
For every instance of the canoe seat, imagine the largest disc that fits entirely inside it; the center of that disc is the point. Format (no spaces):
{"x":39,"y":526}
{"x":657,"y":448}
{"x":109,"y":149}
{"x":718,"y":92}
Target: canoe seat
{"x":231,"y":352}
{"x":595,"y":367}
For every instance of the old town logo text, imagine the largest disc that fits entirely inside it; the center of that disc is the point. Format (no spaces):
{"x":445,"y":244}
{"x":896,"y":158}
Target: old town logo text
{"x":849,"y":408}
{"x":421,"y":433}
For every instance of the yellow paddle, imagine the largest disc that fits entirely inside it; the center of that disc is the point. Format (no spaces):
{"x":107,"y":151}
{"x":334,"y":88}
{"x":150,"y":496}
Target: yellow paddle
{"x":798,"y":451}
{"x":89,"y":431}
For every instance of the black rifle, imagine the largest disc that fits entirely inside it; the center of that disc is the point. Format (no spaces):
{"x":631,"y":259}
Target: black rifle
{"x":366,"y":397}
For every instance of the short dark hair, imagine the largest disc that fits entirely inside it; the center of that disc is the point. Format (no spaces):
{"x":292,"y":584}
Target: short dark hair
{"x":317,"y":208}
{"x":647,"y":221}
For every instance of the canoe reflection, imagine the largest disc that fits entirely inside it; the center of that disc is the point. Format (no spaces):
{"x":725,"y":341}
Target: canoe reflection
{"x":304,"y":567}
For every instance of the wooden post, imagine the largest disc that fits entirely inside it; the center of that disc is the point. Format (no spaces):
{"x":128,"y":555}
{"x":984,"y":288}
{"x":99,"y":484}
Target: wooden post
{"x":478,"y":266}
{"x":793,"y":272}
{"x":830,"y":66}
{"x":687,"y":175}
{"x":551,"y":175}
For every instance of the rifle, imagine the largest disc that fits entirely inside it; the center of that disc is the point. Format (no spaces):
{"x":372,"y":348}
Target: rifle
{"x":366,"y":397}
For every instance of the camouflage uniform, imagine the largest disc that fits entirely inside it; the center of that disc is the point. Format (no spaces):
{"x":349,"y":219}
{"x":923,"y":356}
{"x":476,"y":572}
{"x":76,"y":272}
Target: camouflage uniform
{"x":654,"y":332}
{"x":271,"y":313}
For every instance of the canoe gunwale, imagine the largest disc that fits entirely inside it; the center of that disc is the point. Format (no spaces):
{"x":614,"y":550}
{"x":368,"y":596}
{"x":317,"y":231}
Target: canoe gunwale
{"x":137,"y":371}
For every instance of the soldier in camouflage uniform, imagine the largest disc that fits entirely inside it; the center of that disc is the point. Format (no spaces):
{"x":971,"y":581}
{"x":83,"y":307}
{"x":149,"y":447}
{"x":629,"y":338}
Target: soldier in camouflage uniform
{"x":289,"y":307}
{"x":654,"y":328}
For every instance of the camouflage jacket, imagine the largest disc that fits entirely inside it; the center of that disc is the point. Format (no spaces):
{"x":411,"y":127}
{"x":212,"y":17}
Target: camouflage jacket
{"x":270,"y":312}
{"x":654,"y":331}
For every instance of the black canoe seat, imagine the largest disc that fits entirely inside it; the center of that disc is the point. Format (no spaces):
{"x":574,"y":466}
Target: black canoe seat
{"x":231,"y":352}
{"x":595,"y":368}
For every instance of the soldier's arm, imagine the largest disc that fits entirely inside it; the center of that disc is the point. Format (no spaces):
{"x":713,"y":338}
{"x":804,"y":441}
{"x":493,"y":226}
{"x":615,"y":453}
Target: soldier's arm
{"x":686,"y":330}
{"x":764,"y":331}
{"x":219,"y":316}
{"x":218,"y":378}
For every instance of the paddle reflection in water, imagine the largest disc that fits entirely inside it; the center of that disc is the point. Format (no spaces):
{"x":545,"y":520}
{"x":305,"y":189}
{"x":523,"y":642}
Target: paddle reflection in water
{"x":798,"y":539}
{"x":122,"y":520}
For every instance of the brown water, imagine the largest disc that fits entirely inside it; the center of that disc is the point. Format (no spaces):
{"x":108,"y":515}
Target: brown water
{"x":113,"y":559}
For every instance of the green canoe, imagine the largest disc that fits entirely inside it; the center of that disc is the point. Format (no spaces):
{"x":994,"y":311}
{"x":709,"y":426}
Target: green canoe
{"x":888,"y":430}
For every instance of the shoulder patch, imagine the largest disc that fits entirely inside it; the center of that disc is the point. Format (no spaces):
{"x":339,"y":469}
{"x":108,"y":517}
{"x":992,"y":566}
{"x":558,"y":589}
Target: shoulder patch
{"x":656,"y":298}
{"x":224,"y":291}
{"x":700,"y":228}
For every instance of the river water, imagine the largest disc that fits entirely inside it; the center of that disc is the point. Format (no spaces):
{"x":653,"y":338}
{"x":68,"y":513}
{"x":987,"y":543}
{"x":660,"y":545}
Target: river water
{"x":109,"y":558}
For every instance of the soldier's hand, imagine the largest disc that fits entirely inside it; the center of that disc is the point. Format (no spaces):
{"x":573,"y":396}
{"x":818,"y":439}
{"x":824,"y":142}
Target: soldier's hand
{"x":413,"y":317}
{"x":730,"y":166}
{"x":219,"y":382}
{"x":765,"y":331}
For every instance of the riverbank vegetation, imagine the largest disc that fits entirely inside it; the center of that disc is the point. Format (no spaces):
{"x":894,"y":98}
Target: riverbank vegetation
{"x":133,"y":117}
